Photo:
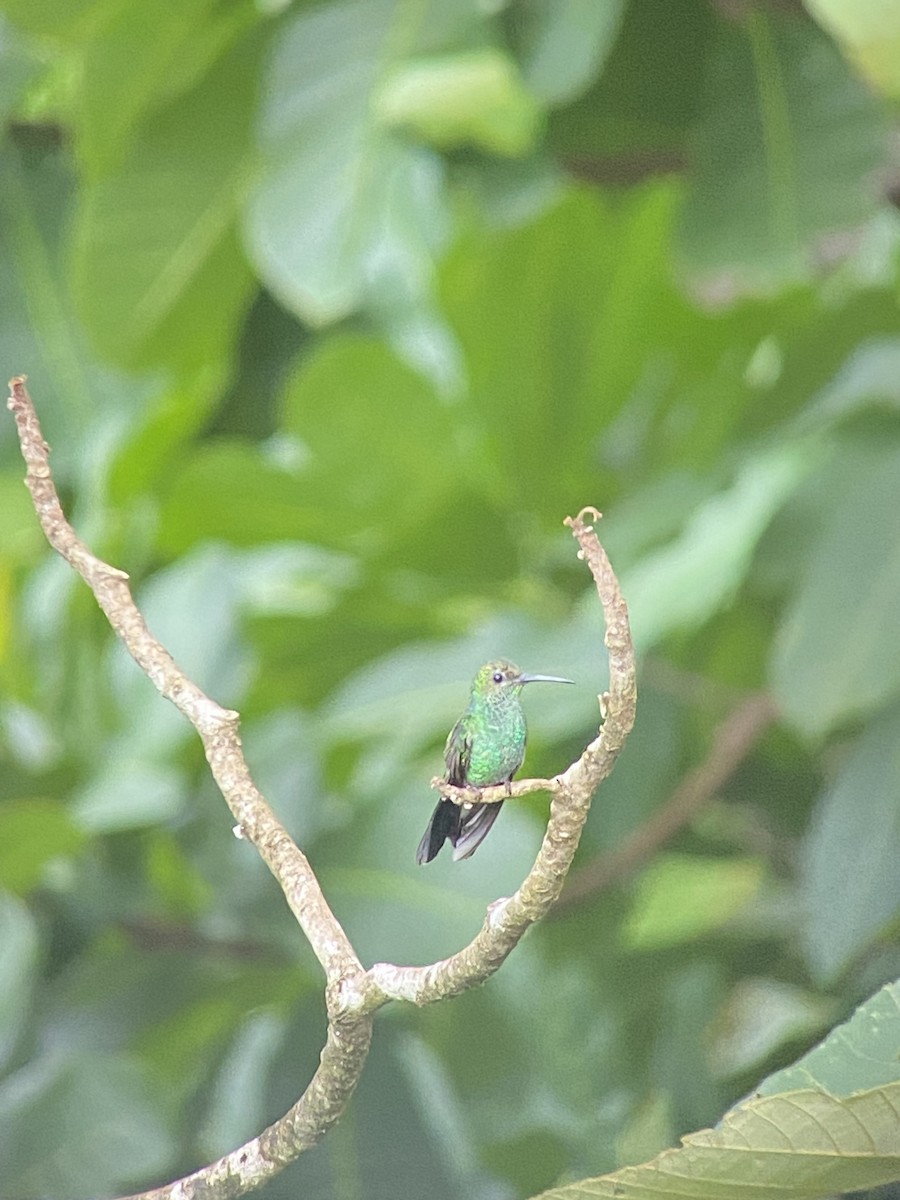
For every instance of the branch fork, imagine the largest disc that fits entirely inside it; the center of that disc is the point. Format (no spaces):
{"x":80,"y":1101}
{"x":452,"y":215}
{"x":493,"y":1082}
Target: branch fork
{"x":352,"y":994}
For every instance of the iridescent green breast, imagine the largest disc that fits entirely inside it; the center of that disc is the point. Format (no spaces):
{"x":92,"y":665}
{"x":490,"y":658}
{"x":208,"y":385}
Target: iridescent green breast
{"x":494,"y":733}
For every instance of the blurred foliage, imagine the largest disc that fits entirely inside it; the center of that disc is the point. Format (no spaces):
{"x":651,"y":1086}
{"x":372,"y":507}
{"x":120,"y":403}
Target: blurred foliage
{"x":332,"y":311}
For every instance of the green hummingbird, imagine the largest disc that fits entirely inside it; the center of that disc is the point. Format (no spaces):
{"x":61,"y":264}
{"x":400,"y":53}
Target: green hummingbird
{"x":485,"y":746}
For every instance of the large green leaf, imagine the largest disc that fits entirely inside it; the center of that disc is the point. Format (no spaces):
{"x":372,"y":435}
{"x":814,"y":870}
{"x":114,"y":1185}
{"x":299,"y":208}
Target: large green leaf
{"x":869,"y":378}
{"x":39,"y":333}
{"x":63,"y":19}
{"x":333,"y":178}
{"x":858,"y":1055}
{"x":803,"y":1145}
{"x":851,"y":889}
{"x":576,"y":303}
{"x":475,"y":98}
{"x":716,"y":546}
{"x":835,"y":653}
{"x":869,"y":31}
{"x":681,"y":897}
{"x":109,"y":1132}
{"x":636,"y":117}
{"x":837,"y":1132}
{"x":18,"y":969}
{"x":786,"y":137}
{"x":365,"y":449}
{"x":33,"y":833}
{"x":128,"y":68}
{"x":381,"y":443}
{"x":157,"y":273}
{"x":563,"y":43}
{"x":17,"y":66}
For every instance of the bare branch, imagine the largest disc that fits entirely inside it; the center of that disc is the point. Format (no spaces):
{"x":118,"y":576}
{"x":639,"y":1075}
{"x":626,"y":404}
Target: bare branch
{"x":347,"y":1045}
{"x":352,"y":995}
{"x":508,"y":919}
{"x":495,"y":793}
{"x":320,"y":1106}
{"x":218,"y":727}
{"x":732,"y":742}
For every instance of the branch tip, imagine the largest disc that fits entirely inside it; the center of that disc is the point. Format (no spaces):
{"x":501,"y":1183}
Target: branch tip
{"x":578,"y":523}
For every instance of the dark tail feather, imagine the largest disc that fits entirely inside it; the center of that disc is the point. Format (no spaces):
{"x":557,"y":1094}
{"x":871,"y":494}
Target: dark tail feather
{"x":474,"y":827}
{"x":465,"y":828}
{"x":444,"y":823}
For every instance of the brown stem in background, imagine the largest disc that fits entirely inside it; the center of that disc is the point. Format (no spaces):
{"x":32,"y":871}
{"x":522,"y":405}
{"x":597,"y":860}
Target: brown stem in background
{"x":732,"y":742}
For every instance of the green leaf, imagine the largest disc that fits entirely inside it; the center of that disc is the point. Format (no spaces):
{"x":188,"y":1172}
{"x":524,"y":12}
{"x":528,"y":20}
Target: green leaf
{"x":17,"y":67}
{"x":680,"y":897}
{"x":869,"y":31}
{"x":20,"y":534}
{"x":474,"y":98}
{"x":368,"y":474}
{"x":192,"y":607}
{"x":19,"y":958}
{"x":560,"y":298}
{"x":108,"y":1134}
{"x":39,"y":333}
{"x":229,"y":490}
{"x":639,"y":112}
{"x":127,"y":70}
{"x":334,"y":475}
{"x":858,"y":1055}
{"x":68,"y":20}
{"x":168,"y":420}
{"x":803,"y":1145}
{"x":563,"y":44}
{"x":826,"y":1124}
{"x":760,"y":1016}
{"x":157,"y":272}
{"x":238,"y":1105}
{"x":786,"y":137}
{"x":869,"y":378}
{"x":33,"y":833}
{"x":850,"y":889}
{"x":834,"y":656}
{"x":333,"y":180}
{"x":128,"y":794}
{"x":716,"y":546}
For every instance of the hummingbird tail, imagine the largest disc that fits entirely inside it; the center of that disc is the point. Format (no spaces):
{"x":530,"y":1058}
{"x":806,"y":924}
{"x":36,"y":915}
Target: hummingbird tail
{"x":444,"y":824}
{"x":474,"y":826}
{"x":465,"y":828}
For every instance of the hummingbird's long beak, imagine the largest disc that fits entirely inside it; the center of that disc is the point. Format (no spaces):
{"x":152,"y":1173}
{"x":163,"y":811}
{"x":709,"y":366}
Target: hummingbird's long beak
{"x":543,"y":679}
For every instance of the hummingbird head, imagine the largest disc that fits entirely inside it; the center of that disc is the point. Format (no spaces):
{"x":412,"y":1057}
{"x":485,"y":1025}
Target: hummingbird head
{"x":501,"y":679}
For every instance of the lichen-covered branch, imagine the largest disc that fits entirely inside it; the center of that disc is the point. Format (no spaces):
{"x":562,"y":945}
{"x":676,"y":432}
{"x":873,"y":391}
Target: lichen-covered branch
{"x":352,"y":994}
{"x":495,"y":792}
{"x":347,"y":1044}
{"x":218,"y":727}
{"x":508,"y":919}
{"x":317,"y":1110}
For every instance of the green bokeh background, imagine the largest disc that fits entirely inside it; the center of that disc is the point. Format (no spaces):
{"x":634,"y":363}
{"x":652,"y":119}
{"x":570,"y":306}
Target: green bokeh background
{"x":332,"y":312}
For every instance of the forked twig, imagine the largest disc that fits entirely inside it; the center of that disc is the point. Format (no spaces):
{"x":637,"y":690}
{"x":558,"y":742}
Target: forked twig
{"x":352,"y":994}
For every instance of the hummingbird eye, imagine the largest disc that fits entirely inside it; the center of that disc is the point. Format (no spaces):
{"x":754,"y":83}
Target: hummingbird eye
{"x":497,"y":677}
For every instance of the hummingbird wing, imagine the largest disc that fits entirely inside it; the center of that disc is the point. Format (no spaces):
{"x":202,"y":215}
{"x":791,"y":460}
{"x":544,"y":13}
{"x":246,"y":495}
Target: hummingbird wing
{"x":473,"y":821}
{"x":465,"y":826}
{"x":458,"y":753}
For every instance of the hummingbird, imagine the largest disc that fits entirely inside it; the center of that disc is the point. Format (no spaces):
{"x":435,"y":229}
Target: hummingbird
{"x":485,"y":746}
